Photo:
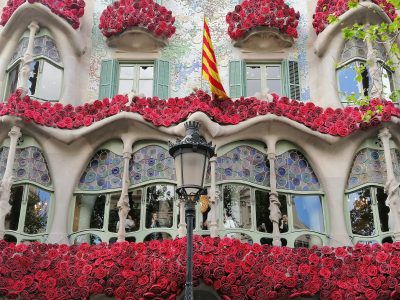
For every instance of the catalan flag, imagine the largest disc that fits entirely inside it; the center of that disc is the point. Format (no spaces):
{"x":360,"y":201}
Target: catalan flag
{"x":209,"y":64}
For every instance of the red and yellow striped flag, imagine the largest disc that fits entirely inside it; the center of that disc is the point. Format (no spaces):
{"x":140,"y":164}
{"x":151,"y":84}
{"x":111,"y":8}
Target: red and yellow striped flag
{"x":209,"y":64}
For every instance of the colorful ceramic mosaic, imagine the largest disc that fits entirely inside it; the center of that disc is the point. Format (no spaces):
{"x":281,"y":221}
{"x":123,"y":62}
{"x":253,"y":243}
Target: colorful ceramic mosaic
{"x":29,"y":164}
{"x":243,"y":163}
{"x":293,"y":172}
{"x":150,"y":163}
{"x":368,"y":167}
{"x":103,"y":172}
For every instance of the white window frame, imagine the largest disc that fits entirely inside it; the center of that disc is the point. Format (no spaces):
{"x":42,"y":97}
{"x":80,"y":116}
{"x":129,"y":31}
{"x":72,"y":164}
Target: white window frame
{"x":264,"y":76}
{"x":136,"y":75}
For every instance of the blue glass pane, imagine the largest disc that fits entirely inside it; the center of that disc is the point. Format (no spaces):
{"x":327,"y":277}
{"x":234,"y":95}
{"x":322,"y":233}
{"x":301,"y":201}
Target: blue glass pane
{"x":293,"y":172}
{"x":307,"y":213}
{"x":29,"y":164}
{"x":347,"y":81}
{"x":103,"y":172}
{"x":368,"y":167}
{"x":243,"y":163}
{"x":151,"y":162}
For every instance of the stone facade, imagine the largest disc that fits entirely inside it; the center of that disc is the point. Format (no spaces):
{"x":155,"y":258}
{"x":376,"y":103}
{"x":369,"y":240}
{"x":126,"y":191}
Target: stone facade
{"x":267,"y":168}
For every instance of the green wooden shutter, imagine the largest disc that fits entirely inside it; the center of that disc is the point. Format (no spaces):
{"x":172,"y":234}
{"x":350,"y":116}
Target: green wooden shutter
{"x":237,"y":78}
{"x":290,"y":79}
{"x":161,"y":79}
{"x":109,"y":78}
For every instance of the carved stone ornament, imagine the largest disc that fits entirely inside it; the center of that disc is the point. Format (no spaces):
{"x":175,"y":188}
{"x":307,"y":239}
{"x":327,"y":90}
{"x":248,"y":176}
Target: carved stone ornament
{"x":137,"y":39}
{"x":264,"y":39}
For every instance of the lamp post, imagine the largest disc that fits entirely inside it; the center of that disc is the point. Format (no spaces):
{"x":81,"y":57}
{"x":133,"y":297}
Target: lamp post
{"x":191,"y":155}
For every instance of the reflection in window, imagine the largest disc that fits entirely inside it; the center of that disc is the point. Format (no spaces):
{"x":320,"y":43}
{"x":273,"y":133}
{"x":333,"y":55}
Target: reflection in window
{"x":268,"y":241}
{"x":307,"y":213}
{"x":12,"y":218}
{"x":307,"y":241}
{"x":12,"y":80}
{"x":237,"y":206}
{"x":383,"y":209}
{"x":262,"y":77}
{"x":88,"y":238}
{"x":244,"y":238}
{"x":361,"y":215}
{"x":158,"y":236}
{"x":136,"y":78}
{"x":89,"y":212}
{"x":113,"y":217}
{"x":159,"y":205}
{"x":264,"y":224}
{"x":37,"y":210}
{"x":10,"y":238}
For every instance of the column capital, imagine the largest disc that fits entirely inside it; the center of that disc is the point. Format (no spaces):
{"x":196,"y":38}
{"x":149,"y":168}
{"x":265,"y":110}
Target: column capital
{"x":384,"y":133}
{"x":15,"y":132}
{"x":213,"y":159}
{"x":33,"y":26}
{"x":127,"y":154}
{"x":271,"y":155}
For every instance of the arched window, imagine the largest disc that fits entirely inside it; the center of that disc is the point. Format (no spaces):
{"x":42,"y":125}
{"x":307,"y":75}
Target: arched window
{"x":151,"y":195}
{"x":243,"y":175}
{"x":353,"y":65}
{"x":301,"y":198}
{"x":45,"y":71}
{"x":31,"y":194}
{"x":367,"y":211}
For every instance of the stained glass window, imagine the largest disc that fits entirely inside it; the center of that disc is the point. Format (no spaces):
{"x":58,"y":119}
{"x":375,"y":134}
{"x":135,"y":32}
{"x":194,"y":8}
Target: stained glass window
{"x":293,"y":172}
{"x":151,"y":162}
{"x":29,"y":164}
{"x":368,"y":167}
{"x":103,"y":172}
{"x":243,"y":163}
{"x":396,"y":162}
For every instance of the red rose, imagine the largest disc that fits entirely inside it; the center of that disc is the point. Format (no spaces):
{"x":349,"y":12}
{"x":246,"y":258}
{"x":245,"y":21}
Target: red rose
{"x":324,"y":272}
{"x":143,"y":280}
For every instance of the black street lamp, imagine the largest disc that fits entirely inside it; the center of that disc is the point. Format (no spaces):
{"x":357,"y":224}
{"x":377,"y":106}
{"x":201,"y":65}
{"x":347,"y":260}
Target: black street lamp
{"x":191,"y":155}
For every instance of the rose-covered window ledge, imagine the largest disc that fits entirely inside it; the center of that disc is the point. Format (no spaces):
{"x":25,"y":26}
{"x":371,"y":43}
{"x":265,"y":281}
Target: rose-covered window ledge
{"x":262,"y":25}
{"x":29,"y":12}
{"x":132,"y":25}
{"x":366,"y":13}
{"x":70,"y":10}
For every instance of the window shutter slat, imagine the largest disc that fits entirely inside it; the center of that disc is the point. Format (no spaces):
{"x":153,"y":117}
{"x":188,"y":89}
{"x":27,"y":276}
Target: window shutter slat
{"x":294,"y":80}
{"x":237,"y":80}
{"x":161,"y":79}
{"x":108,"y":78}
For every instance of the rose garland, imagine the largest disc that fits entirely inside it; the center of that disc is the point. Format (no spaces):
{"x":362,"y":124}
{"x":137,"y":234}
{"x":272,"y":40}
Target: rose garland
{"x":147,"y":14}
{"x":235,"y":270}
{"x":338,"y":7}
{"x":70,"y":10}
{"x":340,"y":122}
{"x":266,"y":13}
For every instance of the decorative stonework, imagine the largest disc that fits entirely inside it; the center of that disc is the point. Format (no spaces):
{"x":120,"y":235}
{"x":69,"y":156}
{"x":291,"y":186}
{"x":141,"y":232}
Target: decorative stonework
{"x":71,"y":10}
{"x":141,"y":26}
{"x":325,"y":8}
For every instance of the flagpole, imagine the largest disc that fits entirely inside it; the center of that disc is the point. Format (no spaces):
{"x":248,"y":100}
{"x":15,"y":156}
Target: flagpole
{"x":201,"y":52}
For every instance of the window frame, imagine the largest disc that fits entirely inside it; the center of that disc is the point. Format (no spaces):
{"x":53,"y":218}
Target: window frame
{"x":264,"y":76}
{"x":136,"y":73}
{"x":20,"y":234}
{"x":41,"y":59}
{"x":104,"y":234}
{"x":379,"y":234}
{"x":360,"y":60}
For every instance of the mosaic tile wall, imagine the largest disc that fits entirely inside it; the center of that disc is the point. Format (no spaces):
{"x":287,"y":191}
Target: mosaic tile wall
{"x":184,"y":49}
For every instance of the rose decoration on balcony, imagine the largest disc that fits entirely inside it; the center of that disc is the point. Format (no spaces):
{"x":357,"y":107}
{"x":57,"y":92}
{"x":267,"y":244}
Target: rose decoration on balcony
{"x":235,"y":270}
{"x":338,"y":7}
{"x":259,"y":15}
{"x":135,"y":16}
{"x":70,"y":10}
{"x":336,"y":122}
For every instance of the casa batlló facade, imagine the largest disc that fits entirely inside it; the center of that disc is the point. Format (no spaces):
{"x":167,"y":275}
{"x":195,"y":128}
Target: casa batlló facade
{"x":92,"y":91}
